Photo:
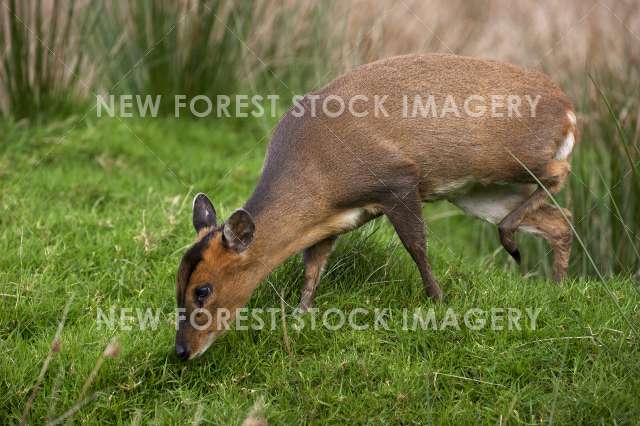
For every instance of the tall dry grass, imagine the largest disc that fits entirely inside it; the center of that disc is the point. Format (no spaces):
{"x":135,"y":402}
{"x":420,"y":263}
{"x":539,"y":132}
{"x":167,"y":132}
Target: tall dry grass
{"x":195,"y":47}
{"x":168,"y":47}
{"x":42,"y":60}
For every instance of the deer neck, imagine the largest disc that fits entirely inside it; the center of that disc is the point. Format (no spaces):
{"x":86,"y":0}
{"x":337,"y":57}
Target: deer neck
{"x":286,"y":223}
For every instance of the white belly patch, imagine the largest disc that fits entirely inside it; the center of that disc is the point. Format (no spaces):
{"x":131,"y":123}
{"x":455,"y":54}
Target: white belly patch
{"x":353,"y":218}
{"x":492,"y":203}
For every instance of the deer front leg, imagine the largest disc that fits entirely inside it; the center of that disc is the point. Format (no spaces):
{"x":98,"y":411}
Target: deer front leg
{"x":315,"y":259}
{"x":404,"y":213}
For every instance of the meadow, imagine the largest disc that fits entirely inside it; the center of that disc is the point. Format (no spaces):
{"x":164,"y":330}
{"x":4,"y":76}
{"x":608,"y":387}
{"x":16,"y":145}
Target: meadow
{"x":95,"y":214}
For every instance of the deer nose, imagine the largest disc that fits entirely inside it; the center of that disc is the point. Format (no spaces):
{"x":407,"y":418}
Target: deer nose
{"x":182,"y":352}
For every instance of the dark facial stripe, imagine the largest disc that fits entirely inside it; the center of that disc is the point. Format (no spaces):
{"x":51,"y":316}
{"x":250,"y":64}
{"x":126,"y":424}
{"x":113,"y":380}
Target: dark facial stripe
{"x":190,"y":260}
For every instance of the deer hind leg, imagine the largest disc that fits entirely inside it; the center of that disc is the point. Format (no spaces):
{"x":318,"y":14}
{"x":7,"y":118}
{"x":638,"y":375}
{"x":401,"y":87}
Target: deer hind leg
{"x":493,"y":203}
{"x":550,"y":223}
{"x":555,"y":175}
{"x":315,"y":259}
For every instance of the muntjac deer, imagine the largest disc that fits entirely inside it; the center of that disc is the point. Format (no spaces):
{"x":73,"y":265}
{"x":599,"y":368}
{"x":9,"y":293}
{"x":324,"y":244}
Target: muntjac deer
{"x":383,"y":139}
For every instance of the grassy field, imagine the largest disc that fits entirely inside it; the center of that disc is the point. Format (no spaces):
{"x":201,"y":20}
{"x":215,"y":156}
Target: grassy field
{"x":98,"y":213}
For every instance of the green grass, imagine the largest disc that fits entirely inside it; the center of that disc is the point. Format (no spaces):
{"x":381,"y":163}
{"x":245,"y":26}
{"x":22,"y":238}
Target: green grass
{"x":100,"y":211}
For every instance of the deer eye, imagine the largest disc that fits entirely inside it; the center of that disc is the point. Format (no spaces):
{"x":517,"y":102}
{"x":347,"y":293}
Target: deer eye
{"x":203,"y":292}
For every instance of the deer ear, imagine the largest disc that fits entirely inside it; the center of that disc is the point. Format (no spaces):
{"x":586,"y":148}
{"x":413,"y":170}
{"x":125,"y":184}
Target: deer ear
{"x":237,"y":232}
{"x":204,"y":215}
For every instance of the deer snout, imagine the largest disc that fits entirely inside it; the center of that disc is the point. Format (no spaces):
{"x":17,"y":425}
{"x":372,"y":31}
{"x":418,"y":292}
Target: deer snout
{"x":182,"y":351}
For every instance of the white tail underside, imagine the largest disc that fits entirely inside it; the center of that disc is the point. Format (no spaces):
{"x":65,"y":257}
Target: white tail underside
{"x":569,"y":141}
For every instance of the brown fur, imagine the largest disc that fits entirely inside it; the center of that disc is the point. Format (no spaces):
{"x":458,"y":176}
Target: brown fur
{"x":324,"y":176}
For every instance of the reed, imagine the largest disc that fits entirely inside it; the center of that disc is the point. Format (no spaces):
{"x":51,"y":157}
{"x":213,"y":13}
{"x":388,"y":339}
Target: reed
{"x":43,"y":68}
